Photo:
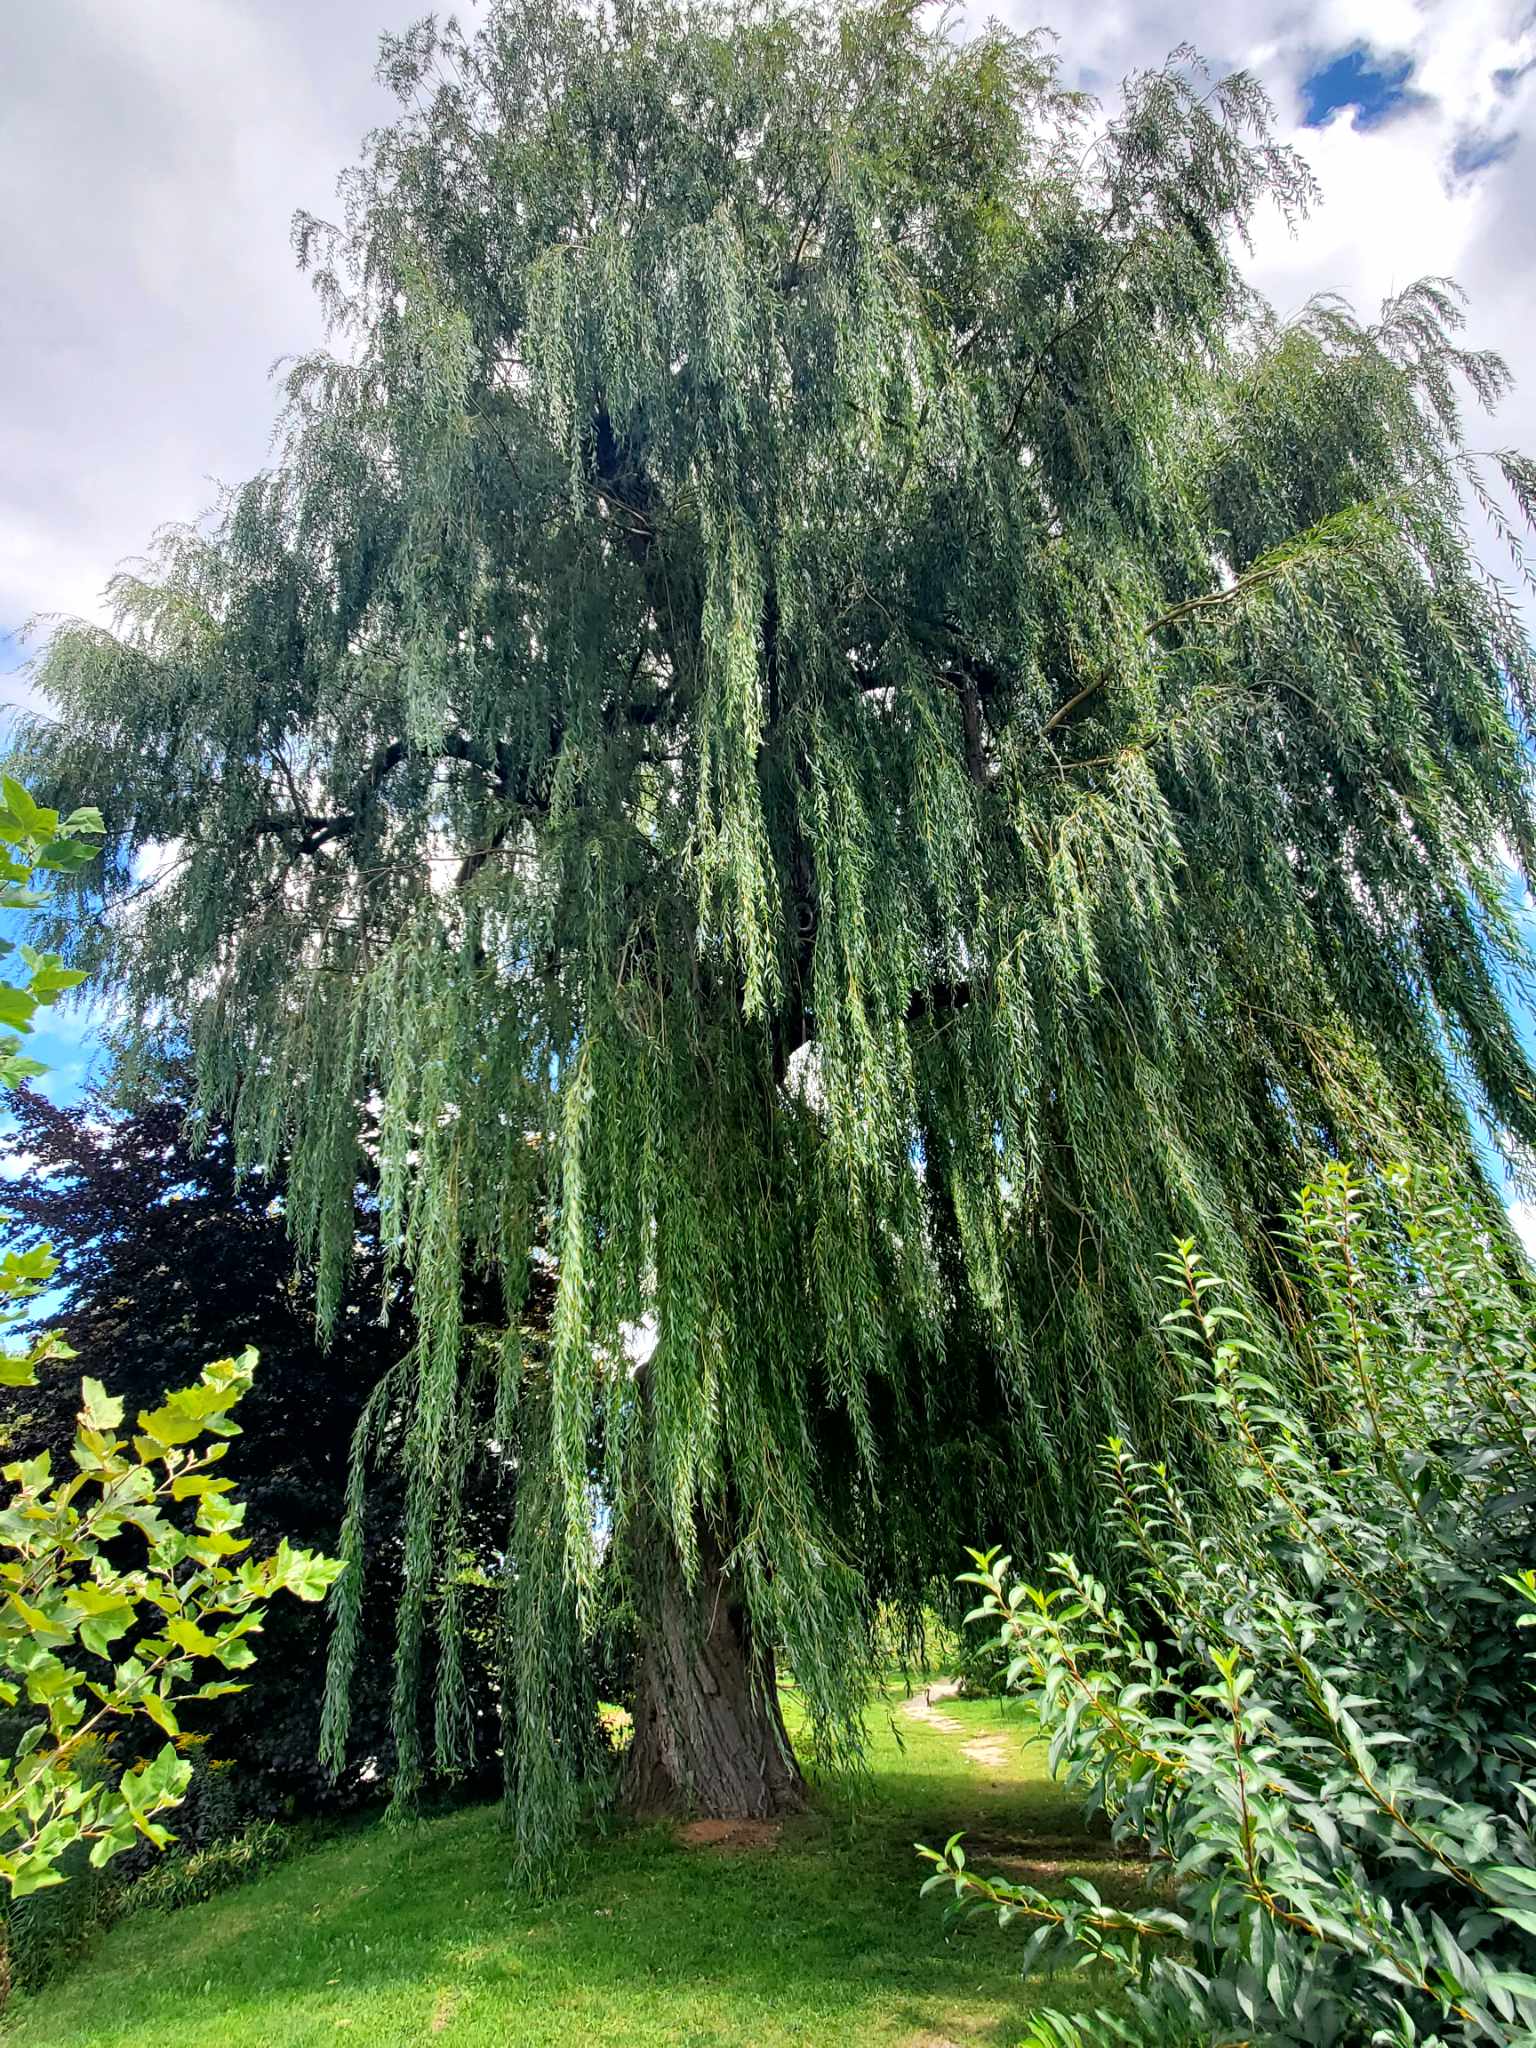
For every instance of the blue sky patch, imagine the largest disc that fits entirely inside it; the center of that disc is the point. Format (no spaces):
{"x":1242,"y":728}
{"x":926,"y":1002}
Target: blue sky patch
{"x":1376,"y":87}
{"x":1476,"y":151}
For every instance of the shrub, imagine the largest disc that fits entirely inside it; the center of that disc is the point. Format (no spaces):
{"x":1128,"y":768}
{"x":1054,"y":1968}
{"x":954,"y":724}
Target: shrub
{"x":1330,"y":1745}
{"x":186,"y":1880}
{"x":89,"y":1642}
{"x":170,"y":1256}
{"x":978,"y":1665}
{"x":45,"y":1930}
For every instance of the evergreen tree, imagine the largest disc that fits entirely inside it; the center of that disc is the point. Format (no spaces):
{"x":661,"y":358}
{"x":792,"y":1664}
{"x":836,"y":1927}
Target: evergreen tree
{"x":825,"y":730}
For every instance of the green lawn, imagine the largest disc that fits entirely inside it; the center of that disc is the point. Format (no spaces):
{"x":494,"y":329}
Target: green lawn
{"x":389,"y":1937}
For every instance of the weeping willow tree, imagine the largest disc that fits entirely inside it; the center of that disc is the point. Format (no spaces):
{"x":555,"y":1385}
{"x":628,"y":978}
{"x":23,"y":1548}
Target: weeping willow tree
{"x":823,"y":733}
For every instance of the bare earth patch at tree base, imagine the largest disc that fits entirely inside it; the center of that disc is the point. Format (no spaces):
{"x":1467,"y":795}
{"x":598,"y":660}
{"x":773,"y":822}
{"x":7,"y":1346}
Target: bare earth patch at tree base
{"x":728,"y":1834}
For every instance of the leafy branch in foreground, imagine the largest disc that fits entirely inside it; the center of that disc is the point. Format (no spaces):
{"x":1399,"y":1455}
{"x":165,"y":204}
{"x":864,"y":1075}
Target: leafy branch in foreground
{"x":33,"y":841}
{"x":1328,"y":1750}
{"x":86,"y":1641}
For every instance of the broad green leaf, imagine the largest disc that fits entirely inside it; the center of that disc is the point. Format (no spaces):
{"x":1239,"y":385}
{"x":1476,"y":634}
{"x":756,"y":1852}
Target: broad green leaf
{"x":100,"y":1409}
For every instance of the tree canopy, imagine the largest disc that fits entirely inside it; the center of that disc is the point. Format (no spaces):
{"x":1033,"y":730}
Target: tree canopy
{"x":825,"y":729}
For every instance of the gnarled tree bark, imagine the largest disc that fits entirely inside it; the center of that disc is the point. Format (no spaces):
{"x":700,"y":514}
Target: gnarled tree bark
{"x":709,"y":1739}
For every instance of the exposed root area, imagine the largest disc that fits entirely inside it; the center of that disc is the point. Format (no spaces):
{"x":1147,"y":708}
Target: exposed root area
{"x":728,"y":1834}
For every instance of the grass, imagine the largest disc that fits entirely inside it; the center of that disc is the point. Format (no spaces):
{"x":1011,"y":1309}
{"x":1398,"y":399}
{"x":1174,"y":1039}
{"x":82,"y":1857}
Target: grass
{"x":388,"y":1937}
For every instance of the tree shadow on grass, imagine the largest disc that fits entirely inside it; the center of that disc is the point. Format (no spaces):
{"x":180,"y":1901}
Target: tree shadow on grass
{"x":406,"y":1936}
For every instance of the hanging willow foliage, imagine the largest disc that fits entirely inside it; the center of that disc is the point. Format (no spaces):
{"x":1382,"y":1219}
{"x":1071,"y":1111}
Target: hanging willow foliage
{"x":825,"y":731}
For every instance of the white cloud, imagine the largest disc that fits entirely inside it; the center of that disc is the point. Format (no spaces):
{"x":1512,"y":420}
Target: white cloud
{"x":154,"y":157}
{"x":151,"y":158}
{"x":156,"y":862}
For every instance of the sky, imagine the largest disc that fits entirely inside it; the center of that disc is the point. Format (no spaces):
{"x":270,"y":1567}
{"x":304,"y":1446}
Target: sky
{"x":152,"y":157}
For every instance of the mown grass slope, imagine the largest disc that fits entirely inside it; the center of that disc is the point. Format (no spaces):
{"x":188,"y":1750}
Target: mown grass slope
{"x":816,"y":1938}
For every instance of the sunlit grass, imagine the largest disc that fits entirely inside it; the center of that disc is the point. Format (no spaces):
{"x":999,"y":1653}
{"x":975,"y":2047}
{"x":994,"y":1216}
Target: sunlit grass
{"x":392,"y":1937}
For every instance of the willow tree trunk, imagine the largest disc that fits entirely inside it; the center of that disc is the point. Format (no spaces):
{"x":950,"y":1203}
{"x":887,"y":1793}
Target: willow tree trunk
{"x":709,"y":1740}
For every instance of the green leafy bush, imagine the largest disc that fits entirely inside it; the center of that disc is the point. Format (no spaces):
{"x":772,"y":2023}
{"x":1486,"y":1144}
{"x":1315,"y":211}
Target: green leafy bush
{"x":88,"y":1641}
{"x":44,"y":1931}
{"x":219,"y":1842}
{"x":169,"y":1257}
{"x":1330,"y":1747}
{"x":186,"y":1880}
{"x":978,"y":1664}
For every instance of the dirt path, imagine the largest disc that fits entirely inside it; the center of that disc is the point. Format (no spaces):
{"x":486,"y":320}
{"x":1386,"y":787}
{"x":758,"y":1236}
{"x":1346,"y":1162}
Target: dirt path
{"x":1031,"y":1853}
{"x":921,"y":1707}
{"x":988,"y":1747}
{"x":988,"y":1750}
